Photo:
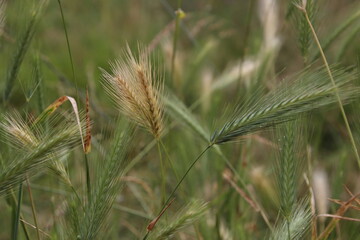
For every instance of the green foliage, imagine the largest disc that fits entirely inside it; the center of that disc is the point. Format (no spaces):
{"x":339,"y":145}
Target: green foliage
{"x":27,"y":161}
{"x":182,"y":114}
{"x":237,"y":54}
{"x":88,"y":221}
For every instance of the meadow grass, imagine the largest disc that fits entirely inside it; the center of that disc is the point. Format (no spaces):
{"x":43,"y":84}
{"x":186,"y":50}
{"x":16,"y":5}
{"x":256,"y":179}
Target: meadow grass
{"x":179,"y":120}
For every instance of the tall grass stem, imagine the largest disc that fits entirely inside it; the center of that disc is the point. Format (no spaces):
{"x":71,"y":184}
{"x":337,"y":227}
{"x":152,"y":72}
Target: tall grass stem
{"x":88,"y":180}
{"x":185,"y":174}
{"x":169,"y":159}
{"x":15,"y":226}
{"x":179,"y":183}
{"x":33,"y":208}
{"x":163,"y":174}
{"x":68,"y":48}
{"x":303,"y":9}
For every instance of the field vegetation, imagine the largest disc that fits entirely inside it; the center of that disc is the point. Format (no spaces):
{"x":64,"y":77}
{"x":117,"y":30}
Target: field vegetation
{"x":180,"y":119}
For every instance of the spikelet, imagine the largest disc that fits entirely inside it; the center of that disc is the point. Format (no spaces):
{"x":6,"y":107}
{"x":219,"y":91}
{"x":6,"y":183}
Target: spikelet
{"x":17,"y":132}
{"x":33,"y":147}
{"x":136,"y":90}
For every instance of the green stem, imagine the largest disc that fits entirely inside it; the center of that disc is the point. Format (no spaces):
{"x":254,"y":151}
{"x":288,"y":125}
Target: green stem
{"x":169,"y":160}
{"x":179,"y":183}
{"x":77,"y":196}
{"x":17,"y":215}
{"x":33,"y":209}
{"x":303,"y":9}
{"x":68,"y":46}
{"x":184,"y":176}
{"x":88,"y":180}
{"x":163,"y":174}
{"x":146,"y":235}
{"x":288,"y":229}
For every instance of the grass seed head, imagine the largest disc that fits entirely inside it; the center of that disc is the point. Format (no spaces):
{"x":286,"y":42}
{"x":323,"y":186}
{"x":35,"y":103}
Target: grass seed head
{"x":136,"y":88}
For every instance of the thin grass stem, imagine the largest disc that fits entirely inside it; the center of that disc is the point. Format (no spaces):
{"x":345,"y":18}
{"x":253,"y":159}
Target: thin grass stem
{"x":38,"y":79}
{"x":303,"y":9}
{"x":33,"y":209}
{"x":77,"y":196}
{"x":169,"y":160}
{"x":12,"y":202}
{"x":15,"y":226}
{"x":68,"y":48}
{"x":185,"y":174}
{"x":170,"y":197}
{"x":163,"y":174}
{"x":88,"y":180}
{"x":288,"y":229}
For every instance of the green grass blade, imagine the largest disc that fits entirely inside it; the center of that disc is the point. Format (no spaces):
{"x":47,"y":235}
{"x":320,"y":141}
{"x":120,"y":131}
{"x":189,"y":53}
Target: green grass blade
{"x":181,"y":113}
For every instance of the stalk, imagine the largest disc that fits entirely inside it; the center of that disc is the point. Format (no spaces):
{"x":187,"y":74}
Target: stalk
{"x":167,"y":202}
{"x":88,"y":182}
{"x":68,"y":47}
{"x":185,"y":174}
{"x":303,"y":9}
{"x":33,"y":209}
{"x":15,"y":226}
{"x":169,"y":159}
{"x":163,"y":174}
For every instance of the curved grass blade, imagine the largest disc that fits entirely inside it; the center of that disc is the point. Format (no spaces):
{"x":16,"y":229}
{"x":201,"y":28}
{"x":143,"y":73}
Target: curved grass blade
{"x":54,"y":106}
{"x":181,"y":113}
